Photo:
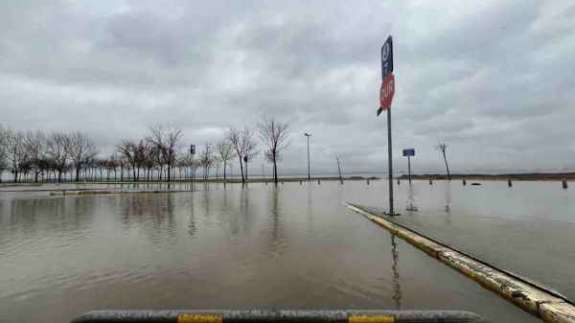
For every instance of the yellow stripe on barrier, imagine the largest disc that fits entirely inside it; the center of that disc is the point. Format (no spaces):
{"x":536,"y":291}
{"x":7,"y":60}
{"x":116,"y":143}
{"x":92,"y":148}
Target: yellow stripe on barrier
{"x":371,"y":319}
{"x":200,"y":318}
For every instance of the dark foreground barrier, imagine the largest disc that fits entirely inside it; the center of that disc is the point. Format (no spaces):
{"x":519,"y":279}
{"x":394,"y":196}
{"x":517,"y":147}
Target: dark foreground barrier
{"x":261,"y":316}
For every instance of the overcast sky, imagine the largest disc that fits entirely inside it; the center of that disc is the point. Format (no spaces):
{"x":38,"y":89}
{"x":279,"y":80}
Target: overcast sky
{"x":495,"y":80}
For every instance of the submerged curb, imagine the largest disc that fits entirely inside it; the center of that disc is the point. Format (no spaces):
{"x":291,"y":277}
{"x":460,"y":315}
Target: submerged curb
{"x":544,"y":304}
{"x":102,"y":192}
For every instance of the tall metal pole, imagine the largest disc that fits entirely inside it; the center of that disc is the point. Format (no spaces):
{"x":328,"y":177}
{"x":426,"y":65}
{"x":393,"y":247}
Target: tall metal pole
{"x":308,"y":162}
{"x":409,"y":168}
{"x":307,"y":135}
{"x":389,"y":162}
{"x":339,"y":170}
{"x":387,"y":91}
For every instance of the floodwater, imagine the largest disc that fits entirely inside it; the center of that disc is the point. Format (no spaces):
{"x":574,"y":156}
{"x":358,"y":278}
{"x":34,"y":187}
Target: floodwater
{"x":294,"y":246}
{"x":528,"y":229}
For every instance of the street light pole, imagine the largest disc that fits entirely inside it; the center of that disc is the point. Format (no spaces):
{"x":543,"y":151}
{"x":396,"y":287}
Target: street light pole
{"x":307,"y":135}
{"x":389,"y":163}
{"x":339,"y":169}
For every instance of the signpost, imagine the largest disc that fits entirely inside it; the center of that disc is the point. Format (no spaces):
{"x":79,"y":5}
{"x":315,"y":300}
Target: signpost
{"x":386,"y":93}
{"x":307,"y":135}
{"x":385,"y":97}
{"x":408,"y":153}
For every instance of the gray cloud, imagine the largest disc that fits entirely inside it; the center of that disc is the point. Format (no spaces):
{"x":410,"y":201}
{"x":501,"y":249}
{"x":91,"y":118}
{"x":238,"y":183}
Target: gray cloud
{"x":493,"y":79}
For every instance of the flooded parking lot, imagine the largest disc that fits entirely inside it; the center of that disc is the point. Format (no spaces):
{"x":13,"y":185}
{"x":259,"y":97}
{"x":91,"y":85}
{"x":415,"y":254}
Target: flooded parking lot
{"x":294,"y":246}
{"x":528,"y":229}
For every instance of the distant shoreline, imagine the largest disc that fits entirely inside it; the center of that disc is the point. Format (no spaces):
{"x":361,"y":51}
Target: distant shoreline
{"x":570,"y":176}
{"x":512,"y":176}
{"x":196,"y":181}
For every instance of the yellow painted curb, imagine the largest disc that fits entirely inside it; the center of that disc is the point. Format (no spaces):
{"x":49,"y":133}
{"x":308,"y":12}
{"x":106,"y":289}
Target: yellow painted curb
{"x":531,"y":298}
{"x":371,"y":319}
{"x":200,"y":318}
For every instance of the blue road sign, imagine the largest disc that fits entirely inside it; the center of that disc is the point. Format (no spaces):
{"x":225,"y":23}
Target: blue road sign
{"x":386,"y":57}
{"x":409,"y":152}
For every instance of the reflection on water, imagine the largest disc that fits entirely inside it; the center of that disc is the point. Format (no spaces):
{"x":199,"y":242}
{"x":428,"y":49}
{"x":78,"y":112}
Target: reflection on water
{"x":275,"y":217}
{"x":192,"y":228}
{"x":396,"y":278}
{"x":411,"y":206}
{"x":48,"y":216}
{"x":153,"y":214}
{"x":216,"y":246}
{"x":447,"y":198}
{"x":522,"y":229}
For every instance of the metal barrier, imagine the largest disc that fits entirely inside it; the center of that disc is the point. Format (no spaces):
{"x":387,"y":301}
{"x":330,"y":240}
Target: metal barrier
{"x":284,"y":316}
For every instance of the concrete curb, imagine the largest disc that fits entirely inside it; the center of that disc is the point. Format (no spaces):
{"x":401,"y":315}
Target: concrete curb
{"x":102,"y":192}
{"x":544,"y":304}
{"x":276,"y":315}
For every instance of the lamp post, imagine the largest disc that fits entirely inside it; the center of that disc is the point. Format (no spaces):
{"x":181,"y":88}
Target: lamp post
{"x":339,"y":169}
{"x":307,"y":135}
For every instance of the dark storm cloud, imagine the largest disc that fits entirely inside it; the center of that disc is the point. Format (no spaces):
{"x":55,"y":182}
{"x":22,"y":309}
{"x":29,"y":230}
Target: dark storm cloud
{"x":492,"y":79}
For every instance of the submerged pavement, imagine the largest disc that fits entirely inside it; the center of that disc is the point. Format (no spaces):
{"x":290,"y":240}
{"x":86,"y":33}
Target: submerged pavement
{"x":528,"y":229}
{"x":531,"y":297}
{"x":261,"y":246}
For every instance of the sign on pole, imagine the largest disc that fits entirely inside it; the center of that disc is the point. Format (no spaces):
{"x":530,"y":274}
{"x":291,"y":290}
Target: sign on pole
{"x":386,"y":93}
{"x":408,"y":152}
{"x":387,"y":57}
{"x":387,"y":89}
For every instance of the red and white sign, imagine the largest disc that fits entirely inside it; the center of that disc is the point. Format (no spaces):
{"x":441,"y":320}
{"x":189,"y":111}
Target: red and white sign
{"x":386,"y":92}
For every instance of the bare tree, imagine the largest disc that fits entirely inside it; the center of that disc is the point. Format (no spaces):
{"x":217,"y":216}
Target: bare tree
{"x":165,"y":141}
{"x":249,"y":146}
{"x":173,"y":136}
{"x":233,"y":136}
{"x":16,"y":152}
{"x":274,"y":136}
{"x":225,"y":153}
{"x":149,"y":160}
{"x":57,"y":151}
{"x":244,"y":145}
{"x":128,"y":150}
{"x":141,"y":153}
{"x":35,"y":145}
{"x":185,"y":164}
{"x":4,"y":136}
{"x":110,"y":165}
{"x":442,"y":147}
{"x":207,"y":159}
{"x":82,"y":151}
{"x":155,"y":159}
{"x":157,"y":140}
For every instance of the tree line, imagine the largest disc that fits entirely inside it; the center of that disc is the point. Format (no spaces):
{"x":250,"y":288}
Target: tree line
{"x":37,"y":156}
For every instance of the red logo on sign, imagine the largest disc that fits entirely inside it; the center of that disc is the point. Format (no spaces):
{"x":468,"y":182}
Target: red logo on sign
{"x":386,"y":92}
